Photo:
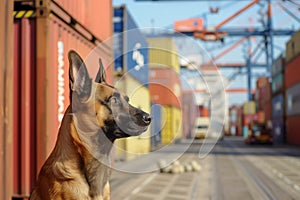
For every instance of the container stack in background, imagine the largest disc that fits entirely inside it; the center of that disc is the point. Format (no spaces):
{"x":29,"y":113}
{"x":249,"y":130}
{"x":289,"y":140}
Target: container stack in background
{"x":165,"y":86}
{"x":292,"y":87}
{"x":249,"y":111}
{"x":40,"y":73}
{"x":189,"y":113}
{"x":263,"y":99}
{"x":278,"y":97}
{"x":235,"y":121}
{"x":131,"y":77}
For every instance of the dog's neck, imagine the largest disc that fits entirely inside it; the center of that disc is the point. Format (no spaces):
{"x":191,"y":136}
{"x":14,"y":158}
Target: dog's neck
{"x":92,"y":161}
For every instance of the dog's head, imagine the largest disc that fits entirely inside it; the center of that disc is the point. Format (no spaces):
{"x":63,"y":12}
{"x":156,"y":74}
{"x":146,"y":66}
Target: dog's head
{"x":99,"y":106}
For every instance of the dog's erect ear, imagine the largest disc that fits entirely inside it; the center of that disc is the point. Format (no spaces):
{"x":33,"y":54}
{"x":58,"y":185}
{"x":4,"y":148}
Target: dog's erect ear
{"x":80,"y":81}
{"x":101,"y":77}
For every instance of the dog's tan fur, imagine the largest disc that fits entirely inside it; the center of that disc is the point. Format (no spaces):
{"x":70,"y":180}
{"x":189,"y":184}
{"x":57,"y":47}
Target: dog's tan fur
{"x":77,"y":168}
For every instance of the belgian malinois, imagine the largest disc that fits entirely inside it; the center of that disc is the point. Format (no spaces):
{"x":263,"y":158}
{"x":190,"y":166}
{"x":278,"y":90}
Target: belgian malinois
{"x":98,"y":114}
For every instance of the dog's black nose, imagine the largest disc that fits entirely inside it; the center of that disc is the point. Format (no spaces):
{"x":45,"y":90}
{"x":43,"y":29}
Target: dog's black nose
{"x":147,"y":118}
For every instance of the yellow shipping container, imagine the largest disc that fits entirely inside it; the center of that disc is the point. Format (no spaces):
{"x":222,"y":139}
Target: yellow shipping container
{"x":249,"y":108}
{"x":129,"y":148}
{"x":171,"y":124}
{"x":293,"y":47}
{"x":163,"y":53}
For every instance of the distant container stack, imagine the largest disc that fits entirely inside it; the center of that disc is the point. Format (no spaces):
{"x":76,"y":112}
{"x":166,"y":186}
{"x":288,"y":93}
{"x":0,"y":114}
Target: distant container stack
{"x":249,"y":111}
{"x":278,"y":97}
{"x":131,"y":77}
{"x":292,"y":85}
{"x":235,"y":121}
{"x":165,"y":86}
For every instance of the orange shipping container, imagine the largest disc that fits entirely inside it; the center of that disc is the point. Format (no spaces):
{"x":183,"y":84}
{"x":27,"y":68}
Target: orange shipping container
{"x":164,"y":86}
{"x":262,"y":82}
{"x":292,"y":71}
{"x":189,"y":25}
{"x":93,"y":14}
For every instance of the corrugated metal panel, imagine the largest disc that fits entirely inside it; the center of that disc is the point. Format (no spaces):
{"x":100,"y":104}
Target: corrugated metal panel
{"x":24,"y":106}
{"x":156,"y":125}
{"x":163,"y":53}
{"x":278,"y":130}
{"x":262,"y":82}
{"x":293,"y":47}
{"x":164,"y":86}
{"x":6,"y":99}
{"x":131,"y":51}
{"x":278,"y":106}
{"x":292,"y":130}
{"x":293,"y":100}
{"x":278,"y":65}
{"x":277,"y":83}
{"x":171,"y":124}
{"x":95,"y":15}
{"x":292,"y":71}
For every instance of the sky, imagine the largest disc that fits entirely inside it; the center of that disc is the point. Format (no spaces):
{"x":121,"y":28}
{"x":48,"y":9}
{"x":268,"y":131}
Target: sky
{"x":163,"y":14}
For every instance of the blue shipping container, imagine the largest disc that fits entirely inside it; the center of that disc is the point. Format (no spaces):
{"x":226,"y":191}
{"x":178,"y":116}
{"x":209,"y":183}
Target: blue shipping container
{"x":293,"y":100}
{"x":156,"y":112}
{"x":278,"y":106}
{"x":278,"y":130}
{"x":130,"y":46}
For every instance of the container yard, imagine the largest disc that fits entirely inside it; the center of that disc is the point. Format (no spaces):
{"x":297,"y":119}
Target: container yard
{"x":220,"y":82}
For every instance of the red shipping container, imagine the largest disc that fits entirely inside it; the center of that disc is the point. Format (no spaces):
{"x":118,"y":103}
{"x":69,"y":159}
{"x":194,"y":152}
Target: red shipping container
{"x":292,"y":130}
{"x":247,"y":119}
{"x":292,"y":71}
{"x":41,"y":89}
{"x":164,"y":87}
{"x":267,"y":108}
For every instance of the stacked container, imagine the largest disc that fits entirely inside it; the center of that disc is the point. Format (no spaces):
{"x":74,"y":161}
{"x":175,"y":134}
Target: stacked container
{"x":263,"y":95}
{"x":165,"y":86}
{"x":292,"y":85}
{"x":235,"y":120}
{"x":43,"y":34}
{"x":189,"y":113}
{"x":278,"y":114}
{"x":131,"y":77}
{"x":249,"y":111}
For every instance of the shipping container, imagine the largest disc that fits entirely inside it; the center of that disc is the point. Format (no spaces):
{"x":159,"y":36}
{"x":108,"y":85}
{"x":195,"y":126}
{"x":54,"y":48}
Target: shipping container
{"x":189,"y":25}
{"x":292,"y":99}
{"x":278,"y":84}
{"x":163,"y":53}
{"x":171,"y":124}
{"x":6,"y":100}
{"x":278,"y":106}
{"x":189,"y":113}
{"x":292,"y":71}
{"x":95,"y":15}
{"x":247,"y":119}
{"x":293,"y":47}
{"x":292,"y":129}
{"x":262,"y":82}
{"x":164,"y":86}
{"x":156,"y":128}
{"x":249,"y":108}
{"x":130,"y":47}
{"x":278,"y":130}
{"x":277,"y":66}
{"x":139,"y":96}
{"x":41,"y":83}
{"x":245,"y":131}
{"x":267,"y":108}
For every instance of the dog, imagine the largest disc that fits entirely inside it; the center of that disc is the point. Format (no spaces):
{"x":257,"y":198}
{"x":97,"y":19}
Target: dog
{"x":78,"y":167}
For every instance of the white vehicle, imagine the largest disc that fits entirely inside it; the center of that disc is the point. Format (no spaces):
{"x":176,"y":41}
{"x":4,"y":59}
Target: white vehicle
{"x":201,"y":127}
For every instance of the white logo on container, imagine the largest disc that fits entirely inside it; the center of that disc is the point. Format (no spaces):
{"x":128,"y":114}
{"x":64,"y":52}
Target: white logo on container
{"x":60,"y":80}
{"x":138,"y":57}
